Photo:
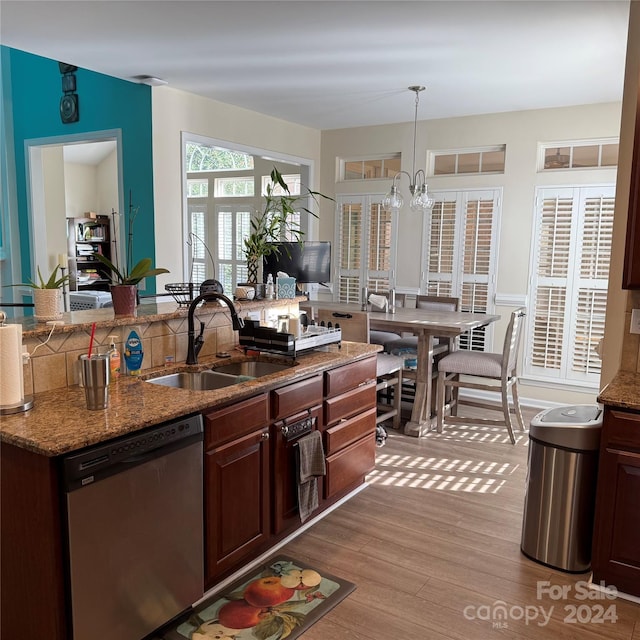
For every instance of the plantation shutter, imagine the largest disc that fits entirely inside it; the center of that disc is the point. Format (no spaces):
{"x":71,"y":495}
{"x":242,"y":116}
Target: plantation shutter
{"x":461,"y":247}
{"x":571,"y":257}
{"x":379,"y":248}
{"x":233,"y":225}
{"x":365,"y":240}
{"x":197,"y":251}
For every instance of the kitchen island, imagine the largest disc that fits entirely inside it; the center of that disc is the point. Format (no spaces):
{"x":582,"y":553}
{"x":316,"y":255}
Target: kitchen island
{"x":333,"y":389}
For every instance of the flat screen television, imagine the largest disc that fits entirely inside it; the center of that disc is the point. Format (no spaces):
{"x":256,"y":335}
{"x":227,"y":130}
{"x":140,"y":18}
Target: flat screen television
{"x":306,"y":261}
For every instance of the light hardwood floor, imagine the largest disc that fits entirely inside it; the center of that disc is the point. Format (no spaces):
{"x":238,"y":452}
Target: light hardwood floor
{"x":433,"y":545}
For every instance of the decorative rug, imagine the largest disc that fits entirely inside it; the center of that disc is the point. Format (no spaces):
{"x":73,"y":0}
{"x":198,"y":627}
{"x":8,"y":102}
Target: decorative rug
{"x":280,"y":600}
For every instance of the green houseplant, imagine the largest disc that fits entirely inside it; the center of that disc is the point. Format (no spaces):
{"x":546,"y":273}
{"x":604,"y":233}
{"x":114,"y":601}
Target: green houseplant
{"x":275,"y":222}
{"x":47,"y":295}
{"x":125,"y":278}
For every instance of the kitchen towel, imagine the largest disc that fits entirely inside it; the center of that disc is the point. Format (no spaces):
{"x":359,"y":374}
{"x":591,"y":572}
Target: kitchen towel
{"x":311,"y":464}
{"x":11,"y":382}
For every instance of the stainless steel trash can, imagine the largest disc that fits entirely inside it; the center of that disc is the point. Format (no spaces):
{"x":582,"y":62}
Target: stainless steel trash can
{"x":561,"y":486}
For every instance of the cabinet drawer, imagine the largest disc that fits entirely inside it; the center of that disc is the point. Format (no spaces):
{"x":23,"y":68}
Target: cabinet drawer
{"x":344,"y":433}
{"x":350,"y":403}
{"x":343,"y":379}
{"x":222,"y":425}
{"x":349,"y":466}
{"x":296,"y":397}
{"x":622,"y":430}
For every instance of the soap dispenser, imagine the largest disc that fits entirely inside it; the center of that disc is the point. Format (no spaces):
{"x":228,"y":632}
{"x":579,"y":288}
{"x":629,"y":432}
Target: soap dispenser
{"x":114,"y":358}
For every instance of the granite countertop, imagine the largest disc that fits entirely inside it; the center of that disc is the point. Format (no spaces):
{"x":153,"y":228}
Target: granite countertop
{"x":623,"y":391}
{"x":59,"y":421}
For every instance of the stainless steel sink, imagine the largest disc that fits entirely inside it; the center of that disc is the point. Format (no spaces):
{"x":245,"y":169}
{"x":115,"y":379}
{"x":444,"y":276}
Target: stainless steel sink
{"x":251,"y":368}
{"x":196,"y":380}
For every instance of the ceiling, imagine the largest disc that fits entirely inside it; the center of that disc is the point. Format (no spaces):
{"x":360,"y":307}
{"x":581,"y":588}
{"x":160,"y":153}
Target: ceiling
{"x":334,"y":64}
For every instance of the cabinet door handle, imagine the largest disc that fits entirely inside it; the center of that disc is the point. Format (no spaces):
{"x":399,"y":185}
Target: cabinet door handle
{"x":265,"y":435}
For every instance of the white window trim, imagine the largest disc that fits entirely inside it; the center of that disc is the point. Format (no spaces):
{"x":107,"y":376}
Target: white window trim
{"x":588,"y":142}
{"x":340,"y":165}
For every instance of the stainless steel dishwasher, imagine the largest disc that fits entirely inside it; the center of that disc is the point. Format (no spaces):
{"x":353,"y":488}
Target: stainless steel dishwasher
{"x":135,"y":531}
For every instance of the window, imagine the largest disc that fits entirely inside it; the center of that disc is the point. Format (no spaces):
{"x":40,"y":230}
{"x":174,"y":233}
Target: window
{"x":370,"y":168}
{"x":365,"y":239}
{"x":224,"y":189}
{"x":201,"y":157}
{"x":292,"y":180}
{"x":568,"y":155}
{"x":460,"y":253}
{"x":233,"y":187}
{"x":485,"y":160}
{"x":570,"y":266}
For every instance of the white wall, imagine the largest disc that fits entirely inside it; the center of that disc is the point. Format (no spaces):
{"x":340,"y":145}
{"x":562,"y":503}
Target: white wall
{"x":174,"y":112}
{"x":520,"y":132}
{"x":54,"y":205}
{"x":107,"y":185}
{"x":81,"y":189}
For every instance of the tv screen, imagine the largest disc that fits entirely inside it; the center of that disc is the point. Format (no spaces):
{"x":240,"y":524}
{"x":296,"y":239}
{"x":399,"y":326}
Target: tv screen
{"x":305,"y":261}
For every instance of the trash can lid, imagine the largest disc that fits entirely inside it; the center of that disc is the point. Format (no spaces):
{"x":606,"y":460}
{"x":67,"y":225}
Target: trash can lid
{"x":583,"y":414}
{"x":574,"y":427}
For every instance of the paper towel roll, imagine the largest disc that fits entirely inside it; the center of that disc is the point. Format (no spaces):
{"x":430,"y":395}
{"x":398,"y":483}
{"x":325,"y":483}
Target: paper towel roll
{"x":11,"y":382}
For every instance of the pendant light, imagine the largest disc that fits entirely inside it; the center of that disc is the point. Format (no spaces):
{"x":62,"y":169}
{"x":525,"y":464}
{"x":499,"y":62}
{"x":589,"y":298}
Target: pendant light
{"x":421,"y":199}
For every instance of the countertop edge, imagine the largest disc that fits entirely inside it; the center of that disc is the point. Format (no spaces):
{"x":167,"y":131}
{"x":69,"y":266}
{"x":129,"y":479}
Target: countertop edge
{"x":59,"y":422}
{"x":622,"y":392}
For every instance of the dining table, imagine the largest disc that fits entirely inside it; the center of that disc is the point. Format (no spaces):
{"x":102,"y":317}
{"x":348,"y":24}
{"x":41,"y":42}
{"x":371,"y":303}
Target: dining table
{"x":427,"y":325}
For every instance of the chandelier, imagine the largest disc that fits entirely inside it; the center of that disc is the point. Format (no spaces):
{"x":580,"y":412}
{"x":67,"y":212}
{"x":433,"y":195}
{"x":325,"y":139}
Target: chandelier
{"x":421,"y":199}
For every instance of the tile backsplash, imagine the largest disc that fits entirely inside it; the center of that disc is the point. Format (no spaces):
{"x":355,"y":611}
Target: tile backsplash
{"x":631,"y":342}
{"x":54,"y":365}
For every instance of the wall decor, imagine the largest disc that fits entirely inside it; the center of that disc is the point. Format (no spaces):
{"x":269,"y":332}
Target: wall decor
{"x":69,"y":108}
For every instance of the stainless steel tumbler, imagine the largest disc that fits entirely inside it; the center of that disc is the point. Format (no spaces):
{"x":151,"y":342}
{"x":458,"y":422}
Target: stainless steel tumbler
{"x":95,"y":376}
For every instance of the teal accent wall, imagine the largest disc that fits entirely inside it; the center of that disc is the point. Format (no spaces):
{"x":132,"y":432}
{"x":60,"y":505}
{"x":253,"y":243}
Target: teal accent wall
{"x":104,"y":103}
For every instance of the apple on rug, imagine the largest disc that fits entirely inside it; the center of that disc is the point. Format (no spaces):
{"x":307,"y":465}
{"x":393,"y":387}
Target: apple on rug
{"x":280,"y":600}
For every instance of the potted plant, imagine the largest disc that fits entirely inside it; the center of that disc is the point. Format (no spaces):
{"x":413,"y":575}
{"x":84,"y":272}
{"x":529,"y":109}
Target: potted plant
{"x":47,"y":295}
{"x":276,"y":222}
{"x":125,"y":279}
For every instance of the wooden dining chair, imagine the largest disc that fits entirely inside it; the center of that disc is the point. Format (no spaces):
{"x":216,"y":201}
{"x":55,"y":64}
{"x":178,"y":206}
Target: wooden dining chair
{"x":355,"y":328}
{"x":497,"y":372}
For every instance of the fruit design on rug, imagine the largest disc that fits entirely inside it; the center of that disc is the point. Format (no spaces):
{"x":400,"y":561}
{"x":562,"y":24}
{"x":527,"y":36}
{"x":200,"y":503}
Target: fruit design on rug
{"x":268,"y":607}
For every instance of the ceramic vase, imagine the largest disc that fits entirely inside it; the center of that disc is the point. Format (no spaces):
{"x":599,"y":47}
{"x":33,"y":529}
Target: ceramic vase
{"x":48,"y":304}
{"x":124,"y":297}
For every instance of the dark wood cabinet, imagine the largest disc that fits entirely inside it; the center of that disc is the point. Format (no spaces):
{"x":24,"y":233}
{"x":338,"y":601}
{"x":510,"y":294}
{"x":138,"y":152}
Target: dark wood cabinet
{"x":237,"y":485}
{"x":31,"y":547}
{"x":616,"y":546}
{"x":349,"y":426}
{"x":631,"y":268}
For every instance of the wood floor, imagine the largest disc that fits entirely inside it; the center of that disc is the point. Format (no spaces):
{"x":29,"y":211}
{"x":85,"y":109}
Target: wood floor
{"x":433,"y":545}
